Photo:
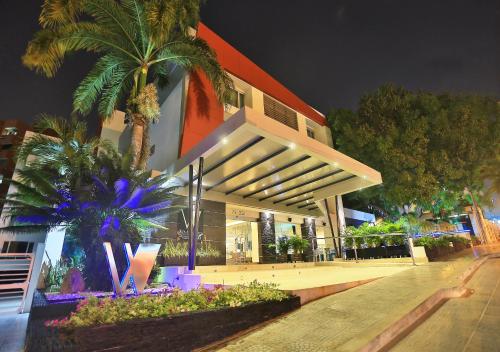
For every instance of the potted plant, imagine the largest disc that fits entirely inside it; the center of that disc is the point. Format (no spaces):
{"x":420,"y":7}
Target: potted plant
{"x":298,"y":245}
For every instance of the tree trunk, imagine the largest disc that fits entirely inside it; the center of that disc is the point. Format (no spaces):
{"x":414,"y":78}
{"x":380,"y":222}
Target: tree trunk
{"x":145,"y":149}
{"x":479,"y":218}
{"x":136,"y":141}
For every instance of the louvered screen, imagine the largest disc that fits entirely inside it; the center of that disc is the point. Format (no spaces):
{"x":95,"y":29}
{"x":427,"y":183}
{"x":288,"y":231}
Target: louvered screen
{"x":280,"y":112}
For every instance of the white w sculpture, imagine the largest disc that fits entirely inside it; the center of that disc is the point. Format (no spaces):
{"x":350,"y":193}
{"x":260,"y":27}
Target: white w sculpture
{"x":139,"y":267}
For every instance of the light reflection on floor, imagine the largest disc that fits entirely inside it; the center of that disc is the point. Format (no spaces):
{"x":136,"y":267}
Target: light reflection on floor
{"x":293,"y":279}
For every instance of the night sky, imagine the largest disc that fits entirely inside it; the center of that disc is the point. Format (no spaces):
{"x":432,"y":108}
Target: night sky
{"x":328,"y":52}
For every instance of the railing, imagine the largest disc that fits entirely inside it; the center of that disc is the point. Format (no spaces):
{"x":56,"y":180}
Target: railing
{"x":406,"y":237}
{"x":243,"y":256}
{"x":15,"y":275}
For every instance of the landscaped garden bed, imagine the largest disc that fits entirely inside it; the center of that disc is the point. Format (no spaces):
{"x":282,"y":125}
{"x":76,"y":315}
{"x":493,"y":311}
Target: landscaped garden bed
{"x":384,"y":240}
{"x":176,"y":321}
{"x":378,"y":252}
{"x":439,"y":247}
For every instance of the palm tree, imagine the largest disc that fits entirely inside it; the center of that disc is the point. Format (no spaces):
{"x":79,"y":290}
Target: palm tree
{"x":138,"y":44}
{"x":112,"y":209}
{"x":85,"y":185}
{"x":62,"y":148}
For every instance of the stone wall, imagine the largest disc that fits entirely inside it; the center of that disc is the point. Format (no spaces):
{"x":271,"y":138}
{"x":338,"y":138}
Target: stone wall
{"x":308,"y":228}
{"x":267,"y":236}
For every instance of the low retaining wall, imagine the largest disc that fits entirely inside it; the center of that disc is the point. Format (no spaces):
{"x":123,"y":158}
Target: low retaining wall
{"x":310,"y":294}
{"x":378,"y":252}
{"x":181,"y":332}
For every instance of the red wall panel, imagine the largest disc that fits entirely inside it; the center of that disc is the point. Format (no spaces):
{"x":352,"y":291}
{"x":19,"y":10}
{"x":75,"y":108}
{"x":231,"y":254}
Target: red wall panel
{"x":203,"y":111}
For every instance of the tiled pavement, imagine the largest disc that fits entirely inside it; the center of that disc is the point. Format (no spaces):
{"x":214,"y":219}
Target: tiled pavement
{"x":348,"y":320}
{"x":12,"y":331}
{"x":464,"y":324}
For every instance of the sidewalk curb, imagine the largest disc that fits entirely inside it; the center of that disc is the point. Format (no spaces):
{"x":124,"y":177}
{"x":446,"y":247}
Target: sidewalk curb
{"x":399,"y":329}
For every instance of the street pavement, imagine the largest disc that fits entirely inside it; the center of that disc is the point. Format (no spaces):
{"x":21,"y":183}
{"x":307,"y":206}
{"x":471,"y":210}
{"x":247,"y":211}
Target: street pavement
{"x":349,"y":320}
{"x":463,"y":324}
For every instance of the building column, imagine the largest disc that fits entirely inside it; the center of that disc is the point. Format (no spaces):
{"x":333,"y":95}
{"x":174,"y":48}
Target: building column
{"x":267,"y":236}
{"x":340,"y":221}
{"x":308,"y":228}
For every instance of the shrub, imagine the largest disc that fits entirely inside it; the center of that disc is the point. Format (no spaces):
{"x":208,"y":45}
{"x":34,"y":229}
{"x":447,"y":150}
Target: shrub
{"x":443,"y":241}
{"x":298,"y":244}
{"x":180,"y":249}
{"x":92,"y":311}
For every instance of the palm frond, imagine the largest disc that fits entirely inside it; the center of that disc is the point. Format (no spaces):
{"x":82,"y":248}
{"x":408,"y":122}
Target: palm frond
{"x":135,"y":9}
{"x":111,"y":15}
{"x":59,"y":12}
{"x":95,"y":81}
{"x":195,"y":53}
{"x":117,"y":88}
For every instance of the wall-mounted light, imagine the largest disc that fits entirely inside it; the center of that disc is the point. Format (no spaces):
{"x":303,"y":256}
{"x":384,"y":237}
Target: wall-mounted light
{"x":292,"y":145}
{"x":224,"y":140}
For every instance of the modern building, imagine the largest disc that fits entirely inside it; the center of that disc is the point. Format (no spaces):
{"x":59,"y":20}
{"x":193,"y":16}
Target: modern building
{"x":270,"y":169}
{"x":12,"y":133}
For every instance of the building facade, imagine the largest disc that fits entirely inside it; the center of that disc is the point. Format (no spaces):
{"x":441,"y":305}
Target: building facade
{"x":270,"y":169}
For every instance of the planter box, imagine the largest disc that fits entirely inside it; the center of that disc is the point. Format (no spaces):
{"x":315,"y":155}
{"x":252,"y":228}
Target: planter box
{"x":397,"y":251}
{"x":181,"y":332}
{"x":183,"y":261}
{"x":438,"y":252}
{"x":379,"y":252}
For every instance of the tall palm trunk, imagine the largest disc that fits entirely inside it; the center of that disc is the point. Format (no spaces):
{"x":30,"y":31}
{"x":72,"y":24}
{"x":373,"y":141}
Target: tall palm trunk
{"x":145,"y":152}
{"x":137,"y":137}
{"x":138,"y":124}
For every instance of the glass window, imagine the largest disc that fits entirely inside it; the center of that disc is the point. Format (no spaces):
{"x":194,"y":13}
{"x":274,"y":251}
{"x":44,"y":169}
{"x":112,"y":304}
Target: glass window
{"x":9,"y":131}
{"x":17,"y":247}
{"x":240,"y":246}
{"x":310,"y":132}
{"x":236,"y":98}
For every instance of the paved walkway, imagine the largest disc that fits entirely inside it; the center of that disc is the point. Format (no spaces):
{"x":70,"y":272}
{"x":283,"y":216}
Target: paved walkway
{"x":348,"y":320}
{"x":12,"y":331}
{"x":463,"y":324}
{"x":293,"y":279}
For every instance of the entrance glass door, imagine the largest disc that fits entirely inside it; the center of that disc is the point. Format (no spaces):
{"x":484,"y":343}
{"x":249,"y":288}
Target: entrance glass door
{"x":241,"y":242}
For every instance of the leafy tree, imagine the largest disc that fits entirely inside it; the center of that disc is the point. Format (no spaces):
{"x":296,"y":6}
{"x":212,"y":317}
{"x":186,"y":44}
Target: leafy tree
{"x":97,"y":197}
{"x":429,"y":148}
{"x":490,"y":172}
{"x":464,"y":138}
{"x":138,"y":44}
{"x":63,"y":148}
{"x":114,"y":210}
{"x":388,"y":133}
